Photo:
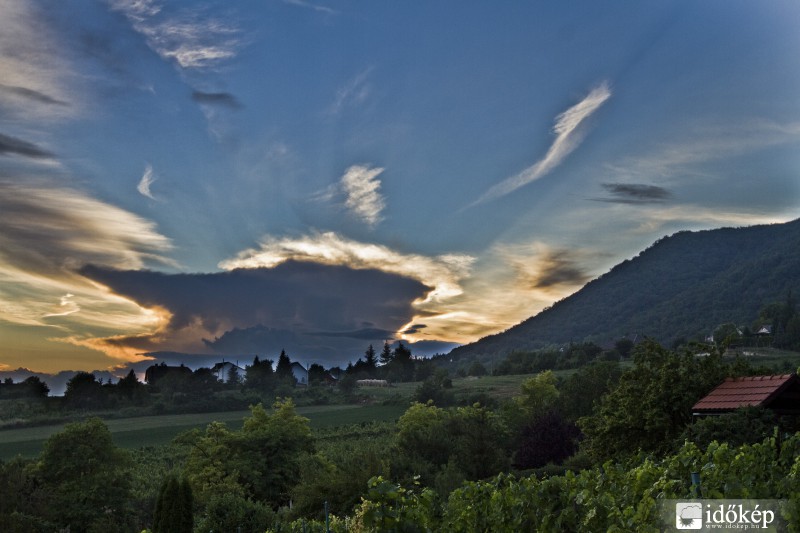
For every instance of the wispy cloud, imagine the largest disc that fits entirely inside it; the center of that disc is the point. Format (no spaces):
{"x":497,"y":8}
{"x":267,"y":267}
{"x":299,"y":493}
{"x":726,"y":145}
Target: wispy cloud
{"x":362,"y":188}
{"x":13,"y":146}
{"x":355,"y":92}
{"x":568,"y":137}
{"x":35,"y":71}
{"x":67,"y":306}
{"x":700,"y":144}
{"x":697,"y":217}
{"x":31,"y":95}
{"x":189,"y":38}
{"x":46,"y":233}
{"x":310,"y":5}
{"x":147,"y":180}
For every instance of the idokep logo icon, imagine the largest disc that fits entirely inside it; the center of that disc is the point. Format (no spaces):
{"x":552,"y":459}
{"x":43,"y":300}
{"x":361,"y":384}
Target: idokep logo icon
{"x":689,"y":515}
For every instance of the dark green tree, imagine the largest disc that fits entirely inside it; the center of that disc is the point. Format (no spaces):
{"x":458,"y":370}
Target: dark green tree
{"x":130,"y":388}
{"x":401,"y":367}
{"x":261,"y":461}
{"x":473,"y":439}
{"x":652,"y":403}
{"x":477,"y":369}
{"x":316,"y":374}
{"x":85,"y":477}
{"x":548,"y":439}
{"x":624,"y":347}
{"x":84,"y":392}
{"x":371,"y":359}
{"x":174,"y":507}
{"x":235,"y":513}
{"x":284,"y":368}
{"x":32,"y":387}
{"x":347,"y":383}
{"x":433,"y":390}
{"x":725,"y":334}
{"x":23,"y":502}
{"x":259,"y":375}
{"x":234,"y":377}
{"x":386,"y":354}
{"x":581,"y":391}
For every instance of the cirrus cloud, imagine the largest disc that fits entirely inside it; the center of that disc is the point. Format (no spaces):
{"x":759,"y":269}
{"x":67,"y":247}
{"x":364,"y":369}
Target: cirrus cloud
{"x":46,"y":233}
{"x":189,"y":38}
{"x":362,"y":188}
{"x":147,"y":180}
{"x":568,"y":136}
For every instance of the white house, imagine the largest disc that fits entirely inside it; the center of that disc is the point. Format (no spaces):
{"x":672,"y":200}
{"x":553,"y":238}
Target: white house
{"x":300,"y":373}
{"x":223,"y":371}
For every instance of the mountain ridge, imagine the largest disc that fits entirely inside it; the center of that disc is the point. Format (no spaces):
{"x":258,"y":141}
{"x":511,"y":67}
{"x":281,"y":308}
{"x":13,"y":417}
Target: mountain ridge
{"x":680,"y":287}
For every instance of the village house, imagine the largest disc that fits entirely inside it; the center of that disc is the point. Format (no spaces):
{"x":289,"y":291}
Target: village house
{"x":223,"y":370}
{"x":300,"y":373}
{"x":780,"y":394}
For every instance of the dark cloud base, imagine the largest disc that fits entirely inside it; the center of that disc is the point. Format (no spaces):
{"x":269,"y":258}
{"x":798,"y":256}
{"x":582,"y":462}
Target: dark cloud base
{"x":317,"y":311}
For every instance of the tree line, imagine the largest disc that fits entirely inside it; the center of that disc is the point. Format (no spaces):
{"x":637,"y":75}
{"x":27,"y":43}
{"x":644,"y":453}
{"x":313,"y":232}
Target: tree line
{"x":276,"y":473}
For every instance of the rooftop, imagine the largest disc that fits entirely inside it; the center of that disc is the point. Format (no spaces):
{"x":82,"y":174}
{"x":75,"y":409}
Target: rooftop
{"x":755,"y":391}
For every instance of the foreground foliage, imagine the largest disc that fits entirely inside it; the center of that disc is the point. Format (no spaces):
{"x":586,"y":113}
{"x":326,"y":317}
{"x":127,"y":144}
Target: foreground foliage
{"x":613,"y":497}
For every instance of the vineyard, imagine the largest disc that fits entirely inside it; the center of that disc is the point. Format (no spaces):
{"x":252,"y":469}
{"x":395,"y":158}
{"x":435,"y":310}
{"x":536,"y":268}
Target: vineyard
{"x":613,"y":497}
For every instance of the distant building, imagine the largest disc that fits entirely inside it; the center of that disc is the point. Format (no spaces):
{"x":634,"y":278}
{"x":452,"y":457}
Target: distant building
{"x":780,"y":394}
{"x":300,"y":373}
{"x":222,"y":371}
{"x":764,"y":330}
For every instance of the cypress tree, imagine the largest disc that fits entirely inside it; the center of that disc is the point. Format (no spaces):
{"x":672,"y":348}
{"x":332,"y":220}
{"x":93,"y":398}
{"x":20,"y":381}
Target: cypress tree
{"x":186,"y":507}
{"x":173,"y":512}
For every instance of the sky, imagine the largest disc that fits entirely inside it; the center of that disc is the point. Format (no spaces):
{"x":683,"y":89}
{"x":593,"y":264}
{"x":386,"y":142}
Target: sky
{"x":198,"y":180}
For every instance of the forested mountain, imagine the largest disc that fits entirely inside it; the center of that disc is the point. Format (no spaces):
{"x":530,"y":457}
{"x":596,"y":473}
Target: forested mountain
{"x":681,"y":287}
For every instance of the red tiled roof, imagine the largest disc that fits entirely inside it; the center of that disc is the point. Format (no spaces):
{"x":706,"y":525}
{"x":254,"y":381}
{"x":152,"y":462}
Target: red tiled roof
{"x":747,"y":391}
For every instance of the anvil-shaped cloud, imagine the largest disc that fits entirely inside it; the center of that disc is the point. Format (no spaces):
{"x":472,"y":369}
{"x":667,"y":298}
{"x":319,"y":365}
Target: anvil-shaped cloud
{"x":302,"y":304}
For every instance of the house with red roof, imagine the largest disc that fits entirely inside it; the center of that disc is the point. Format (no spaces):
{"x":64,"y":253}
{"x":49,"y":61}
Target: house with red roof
{"x":780,"y":394}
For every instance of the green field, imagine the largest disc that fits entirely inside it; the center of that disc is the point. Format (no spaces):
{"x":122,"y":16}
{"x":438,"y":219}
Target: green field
{"x":158,"y":430}
{"x":382,"y":404}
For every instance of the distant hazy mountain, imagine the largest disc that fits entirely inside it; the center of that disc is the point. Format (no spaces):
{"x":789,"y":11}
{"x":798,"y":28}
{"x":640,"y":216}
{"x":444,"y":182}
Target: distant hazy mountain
{"x":682,"y":286}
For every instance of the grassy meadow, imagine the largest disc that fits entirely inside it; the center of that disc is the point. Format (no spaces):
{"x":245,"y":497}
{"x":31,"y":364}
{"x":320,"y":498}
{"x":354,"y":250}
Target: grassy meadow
{"x":379,"y":405}
{"x":144,"y":431}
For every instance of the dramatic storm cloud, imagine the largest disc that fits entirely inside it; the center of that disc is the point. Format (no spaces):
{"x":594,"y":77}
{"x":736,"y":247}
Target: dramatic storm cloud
{"x":293,"y":300}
